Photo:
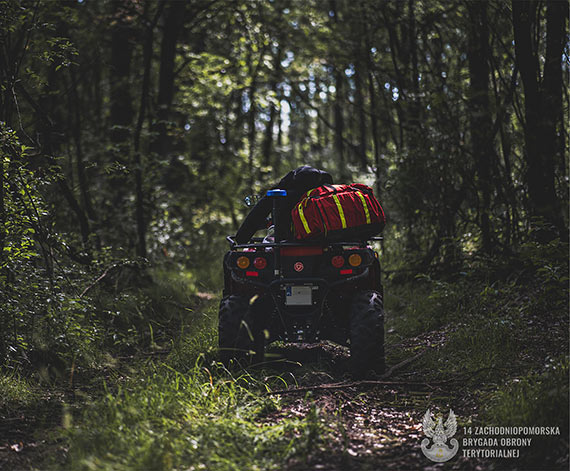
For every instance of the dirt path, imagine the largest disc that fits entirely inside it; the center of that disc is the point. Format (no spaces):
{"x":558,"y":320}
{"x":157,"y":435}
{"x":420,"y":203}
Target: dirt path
{"x":374,"y":426}
{"x":27,"y":434}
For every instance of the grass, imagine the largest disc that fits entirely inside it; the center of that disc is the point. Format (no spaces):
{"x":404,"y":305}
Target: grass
{"x":505,"y":325}
{"x":189,"y":412}
{"x":499,"y":314}
{"x":424,"y":305}
{"x":15,"y":391}
{"x":536,"y":400}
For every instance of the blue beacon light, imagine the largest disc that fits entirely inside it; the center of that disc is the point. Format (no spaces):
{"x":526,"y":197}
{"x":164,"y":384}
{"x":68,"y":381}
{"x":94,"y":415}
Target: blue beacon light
{"x":271,"y":193}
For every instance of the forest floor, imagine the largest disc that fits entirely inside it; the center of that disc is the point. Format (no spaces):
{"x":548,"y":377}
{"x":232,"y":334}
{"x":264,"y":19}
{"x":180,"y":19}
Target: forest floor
{"x":375,"y":424}
{"x":370,"y":424}
{"x":176,"y":407}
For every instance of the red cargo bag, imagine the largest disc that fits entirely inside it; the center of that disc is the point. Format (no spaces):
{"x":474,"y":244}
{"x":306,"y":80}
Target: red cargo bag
{"x":338,"y":212}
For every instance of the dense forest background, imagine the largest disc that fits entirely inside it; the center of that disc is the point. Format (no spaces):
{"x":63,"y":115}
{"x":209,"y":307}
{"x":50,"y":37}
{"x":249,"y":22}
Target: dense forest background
{"x":131,"y":131}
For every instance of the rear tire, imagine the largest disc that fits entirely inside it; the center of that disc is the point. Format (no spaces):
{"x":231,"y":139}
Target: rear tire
{"x":367,"y":334}
{"x":239,"y":338}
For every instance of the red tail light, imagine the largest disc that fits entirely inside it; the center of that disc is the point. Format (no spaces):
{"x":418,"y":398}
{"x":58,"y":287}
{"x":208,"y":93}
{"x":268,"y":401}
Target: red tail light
{"x":260,"y":263}
{"x":337,"y":261}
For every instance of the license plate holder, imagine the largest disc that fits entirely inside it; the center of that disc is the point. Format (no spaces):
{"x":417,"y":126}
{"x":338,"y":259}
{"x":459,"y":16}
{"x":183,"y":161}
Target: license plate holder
{"x":296,"y":295}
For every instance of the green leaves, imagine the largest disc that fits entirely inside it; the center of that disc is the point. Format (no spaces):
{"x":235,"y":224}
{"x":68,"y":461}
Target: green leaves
{"x":61,"y":52}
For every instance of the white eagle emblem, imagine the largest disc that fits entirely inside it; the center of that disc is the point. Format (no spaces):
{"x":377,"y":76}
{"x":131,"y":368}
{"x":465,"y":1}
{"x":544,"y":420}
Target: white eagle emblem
{"x":439,"y":433}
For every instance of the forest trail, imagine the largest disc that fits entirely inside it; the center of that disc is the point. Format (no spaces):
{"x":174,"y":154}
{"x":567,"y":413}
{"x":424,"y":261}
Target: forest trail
{"x":344,"y":424}
{"x":376,"y":423}
{"x":370,"y":426}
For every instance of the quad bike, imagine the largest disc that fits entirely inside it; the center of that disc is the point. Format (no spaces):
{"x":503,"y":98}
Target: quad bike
{"x":302,"y":292}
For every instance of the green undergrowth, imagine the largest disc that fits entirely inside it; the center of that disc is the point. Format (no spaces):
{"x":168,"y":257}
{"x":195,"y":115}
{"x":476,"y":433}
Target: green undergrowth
{"x":533,"y":399}
{"x":495,"y":316}
{"x":15,"y":391}
{"x":197,"y":340}
{"x":499,"y":331}
{"x":536,"y":400}
{"x":203,"y":419}
{"x":120,"y":309}
{"x":147,"y":311}
{"x":189,"y":412}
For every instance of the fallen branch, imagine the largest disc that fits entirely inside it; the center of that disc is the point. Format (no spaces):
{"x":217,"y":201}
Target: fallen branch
{"x":345,"y":385}
{"x":379,"y":382}
{"x":424,"y":384}
{"x":103,"y":275}
{"x":406,"y":362}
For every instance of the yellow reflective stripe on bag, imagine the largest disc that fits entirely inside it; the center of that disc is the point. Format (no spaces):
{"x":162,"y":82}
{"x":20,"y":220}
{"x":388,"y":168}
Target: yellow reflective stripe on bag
{"x":340,"y":211}
{"x":365,"y":206}
{"x":303,"y":219}
{"x":305,"y":199}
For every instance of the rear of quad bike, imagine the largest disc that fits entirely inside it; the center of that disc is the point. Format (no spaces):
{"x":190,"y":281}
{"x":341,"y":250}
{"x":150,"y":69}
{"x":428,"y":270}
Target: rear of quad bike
{"x":316,"y":293}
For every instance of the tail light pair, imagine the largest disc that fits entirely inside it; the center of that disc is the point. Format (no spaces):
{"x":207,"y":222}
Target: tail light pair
{"x":354,"y":260}
{"x":259,"y":262}
{"x":338,"y":261}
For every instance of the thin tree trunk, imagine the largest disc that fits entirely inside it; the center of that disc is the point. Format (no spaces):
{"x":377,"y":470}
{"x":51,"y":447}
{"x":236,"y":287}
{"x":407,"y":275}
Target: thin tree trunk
{"x":414,"y":120}
{"x":552,"y":136}
{"x":2,"y":212}
{"x":97,"y":94}
{"x":358,"y":84}
{"x":277,"y":165}
{"x":373,"y":111}
{"x":339,"y":123}
{"x":251,"y":115}
{"x":173,"y":23}
{"x":121,"y":54}
{"x":338,"y":102}
{"x":274,"y":109}
{"x":480,"y":115}
{"x":80,"y":165}
{"x":139,"y":164}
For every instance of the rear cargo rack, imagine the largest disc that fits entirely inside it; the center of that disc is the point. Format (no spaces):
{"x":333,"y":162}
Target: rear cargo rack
{"x":257,"y":243}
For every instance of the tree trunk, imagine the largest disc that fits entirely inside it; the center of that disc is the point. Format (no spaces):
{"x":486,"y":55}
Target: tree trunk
{"x":553,"y":135}
{"x":373,"y":111}
{"x":359,"y":95}
{"x":80,"y":165}
{"x":139,"y":164}
{"x":480,"y":115}
{"x":338,"y":102}
{"x":121,"y":54}
{"x":374,"y":129}
{"x":2,"y":211}
{"x":251,"y":115}
{"x":173,"y":23}
{"x":414,"y":119}
{"x":339,"y":124}
{"x":540,"y":120}
{"x":273,"y":108}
